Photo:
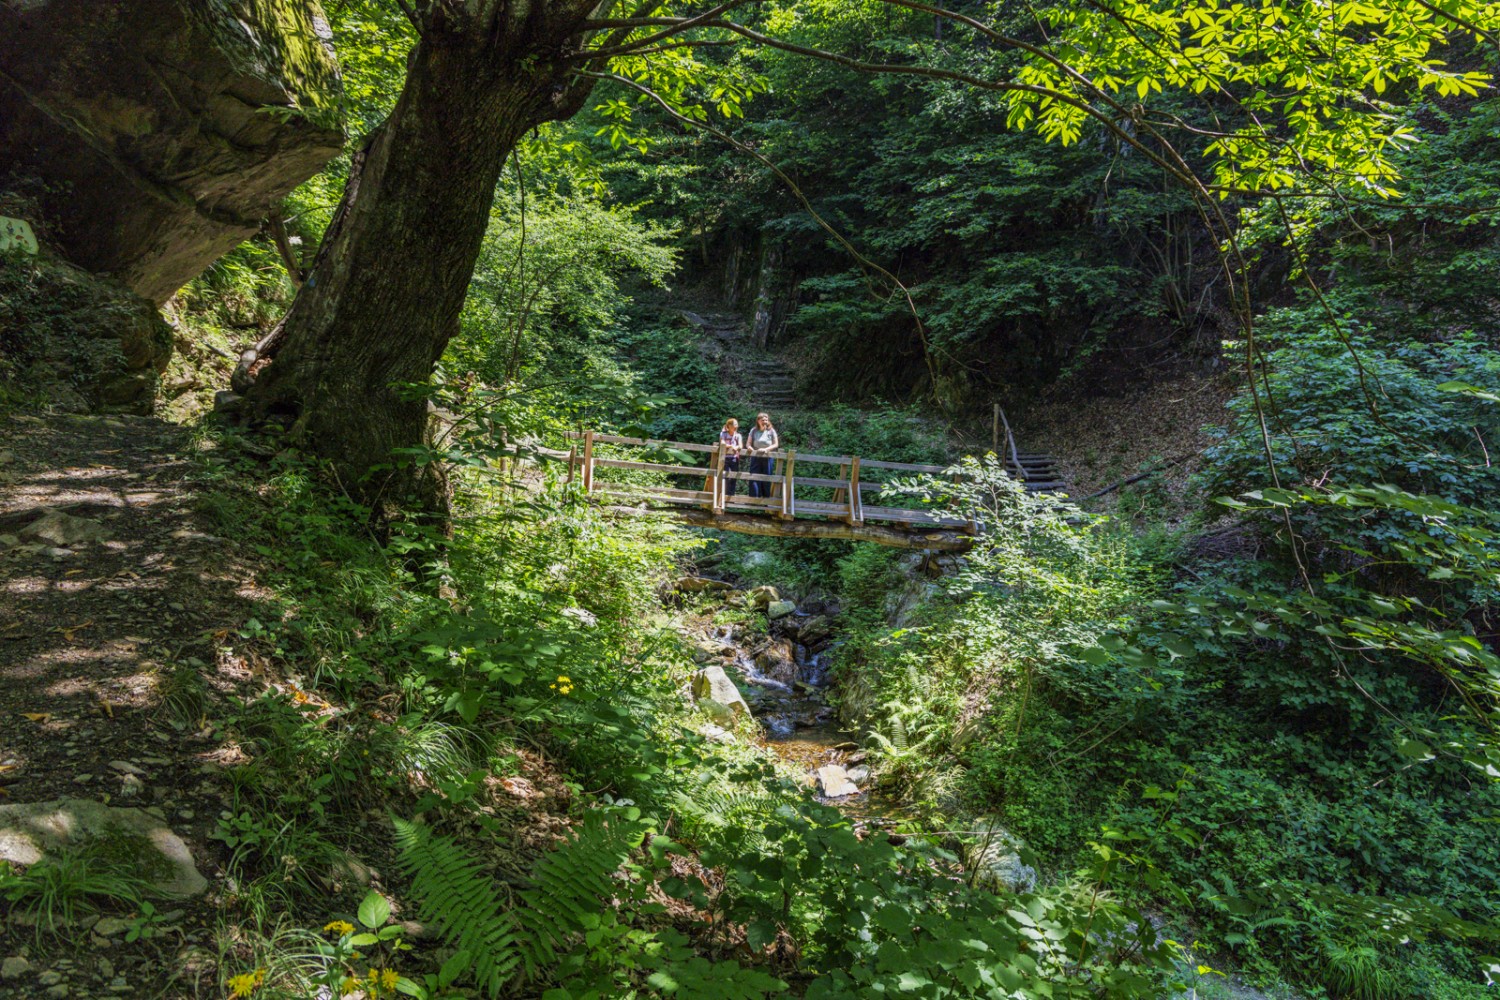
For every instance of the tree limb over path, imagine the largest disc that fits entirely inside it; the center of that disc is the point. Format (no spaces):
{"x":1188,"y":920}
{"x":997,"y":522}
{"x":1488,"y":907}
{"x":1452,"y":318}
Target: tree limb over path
{"x":751,"y":524}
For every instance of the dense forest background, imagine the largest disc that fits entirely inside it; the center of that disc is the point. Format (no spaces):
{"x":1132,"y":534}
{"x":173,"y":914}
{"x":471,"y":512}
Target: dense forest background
{"x":1234,"y":716}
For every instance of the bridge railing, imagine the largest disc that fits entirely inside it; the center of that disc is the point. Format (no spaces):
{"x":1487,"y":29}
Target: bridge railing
{"x":847,"y":502}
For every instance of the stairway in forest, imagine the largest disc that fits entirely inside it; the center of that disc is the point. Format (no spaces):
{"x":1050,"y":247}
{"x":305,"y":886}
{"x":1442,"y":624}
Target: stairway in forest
{"x":763,"y":381}
{"x":769,"y":384}
{"x":758,"y":378}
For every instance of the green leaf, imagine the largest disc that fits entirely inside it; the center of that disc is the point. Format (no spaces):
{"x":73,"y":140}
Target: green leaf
{"x":374,"y":909}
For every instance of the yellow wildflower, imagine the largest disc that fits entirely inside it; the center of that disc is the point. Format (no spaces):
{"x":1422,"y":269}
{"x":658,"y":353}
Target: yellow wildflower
{"x":348,"y":986}
{"x":389,"y":978}
{"x":339,"y":927}
{"x":260,"y":976}
{"x":243,"y":986}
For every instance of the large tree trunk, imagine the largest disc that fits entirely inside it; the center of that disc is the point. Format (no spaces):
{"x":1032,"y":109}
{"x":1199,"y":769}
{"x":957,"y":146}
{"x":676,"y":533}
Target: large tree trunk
{"x":384,"y":294}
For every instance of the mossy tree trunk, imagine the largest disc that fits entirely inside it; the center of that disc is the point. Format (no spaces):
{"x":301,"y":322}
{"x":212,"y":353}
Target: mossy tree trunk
{"x":384,"y":293}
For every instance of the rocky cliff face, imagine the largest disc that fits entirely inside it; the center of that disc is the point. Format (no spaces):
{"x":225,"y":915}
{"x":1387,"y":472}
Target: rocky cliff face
{"x":82,"y":341}
{"x":155,"y":134}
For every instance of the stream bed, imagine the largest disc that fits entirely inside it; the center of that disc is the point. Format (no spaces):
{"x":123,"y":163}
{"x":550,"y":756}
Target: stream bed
{"x":787,"y":691}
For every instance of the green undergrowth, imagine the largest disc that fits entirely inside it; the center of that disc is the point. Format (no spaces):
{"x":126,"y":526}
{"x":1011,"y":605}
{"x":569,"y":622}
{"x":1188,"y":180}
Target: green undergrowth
{"x":487,"y":732}
{"x":1317,"y":709}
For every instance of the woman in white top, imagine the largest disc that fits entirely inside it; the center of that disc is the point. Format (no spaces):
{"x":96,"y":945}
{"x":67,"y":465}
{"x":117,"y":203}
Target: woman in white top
{"x":732,"y":444}
{"x":763,"y":441}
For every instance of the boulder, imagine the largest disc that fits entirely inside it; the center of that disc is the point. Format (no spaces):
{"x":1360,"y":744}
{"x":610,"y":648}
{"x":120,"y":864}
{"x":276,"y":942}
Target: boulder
{"x":699,"y":584}
{"x":776,"y":662}
{"x":814,"y":630}
{"x":56,"y":527}
{"x":760,"y":597}
{"x":835,"y":783}
{"x":160,"y":132}
{"x":713,"y":690}
{"x":994,"y":853}
{"x":28,"y":832}
{"x":94,"y":343}
{"x":779,"y":609}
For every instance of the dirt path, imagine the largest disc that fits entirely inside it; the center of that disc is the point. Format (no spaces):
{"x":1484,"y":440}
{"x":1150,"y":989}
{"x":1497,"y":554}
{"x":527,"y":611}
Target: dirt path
{"x":112,"y":615}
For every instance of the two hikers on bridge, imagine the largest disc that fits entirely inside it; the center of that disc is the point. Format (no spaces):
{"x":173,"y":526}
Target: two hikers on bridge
{"x":763,"y":440}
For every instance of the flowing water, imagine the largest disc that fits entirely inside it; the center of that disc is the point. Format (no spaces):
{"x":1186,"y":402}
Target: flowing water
{"x":801,"y":728}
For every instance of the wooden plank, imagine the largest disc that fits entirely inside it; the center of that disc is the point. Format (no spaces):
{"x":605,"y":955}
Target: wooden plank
{"x":588,"y":461}
{"x":904,"y":466}
{"x":691,"y":499}
{"x":838,"y":484}
{"x":759,"y":502}
{"x":645,"y":442}
{"x":821,"y":507}
{"x":572,"y":458}
{"x":655,"y":493}
{"x":675,"y":470}
{"x":906,"y":516}
{"x":754,"y":477}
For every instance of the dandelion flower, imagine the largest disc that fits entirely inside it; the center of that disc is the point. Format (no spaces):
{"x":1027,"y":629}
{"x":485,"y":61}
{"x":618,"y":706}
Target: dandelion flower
{"x":243,"y":985}
{"x":339,"y":927}
{"x":389,"y":978}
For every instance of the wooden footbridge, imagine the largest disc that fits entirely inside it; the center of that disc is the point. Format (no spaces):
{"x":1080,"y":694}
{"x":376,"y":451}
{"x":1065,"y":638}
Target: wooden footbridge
{"x":829,"y":503}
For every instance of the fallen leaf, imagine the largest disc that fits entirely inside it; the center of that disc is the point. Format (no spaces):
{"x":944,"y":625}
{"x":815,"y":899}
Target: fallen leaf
{"x":37,"y":716}
{"x":73,"y":572}
{"x":68,"y":630}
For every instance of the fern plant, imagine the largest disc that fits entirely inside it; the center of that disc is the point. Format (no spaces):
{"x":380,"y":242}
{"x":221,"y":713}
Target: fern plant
{"x":460,"y":901}
{"x":516,"y":943}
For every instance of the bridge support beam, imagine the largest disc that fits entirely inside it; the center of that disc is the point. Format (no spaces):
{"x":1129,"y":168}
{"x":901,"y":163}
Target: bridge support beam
{"x":917,"y":539}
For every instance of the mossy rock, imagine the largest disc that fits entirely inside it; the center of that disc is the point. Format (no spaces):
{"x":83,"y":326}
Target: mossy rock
{"x":160,"y":132}
{"x":29,"y":832}
{"x":88,"y":342}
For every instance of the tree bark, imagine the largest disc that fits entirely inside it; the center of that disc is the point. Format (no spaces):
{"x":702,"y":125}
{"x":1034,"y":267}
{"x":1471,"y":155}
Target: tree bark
{"x":384,"y":293}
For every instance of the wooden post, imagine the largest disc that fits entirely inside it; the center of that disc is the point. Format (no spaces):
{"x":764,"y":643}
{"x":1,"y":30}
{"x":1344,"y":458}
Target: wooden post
{"x":776,"y":466}
{"x":838,"y":494}
{"x":856,"y":511}
{"x":572,"y":459}
{"x":718,"y":481}
{"x":588,"y":461}
{"x":789,"y":486}
{"x":995,"y":435}
{"x":708,"y":480}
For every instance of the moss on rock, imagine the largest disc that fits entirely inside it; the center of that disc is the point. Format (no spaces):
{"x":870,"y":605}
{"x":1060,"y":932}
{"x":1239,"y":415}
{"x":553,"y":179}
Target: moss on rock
{"x":85,"y":342}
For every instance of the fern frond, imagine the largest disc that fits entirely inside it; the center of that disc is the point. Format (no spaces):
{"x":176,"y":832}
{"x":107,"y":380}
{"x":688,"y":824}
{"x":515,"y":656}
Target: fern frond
{"x":572,"y":882}
{"x":457,"y":897}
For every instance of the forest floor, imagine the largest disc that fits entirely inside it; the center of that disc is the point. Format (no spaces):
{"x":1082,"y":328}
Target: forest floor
{"x":117,"y":601}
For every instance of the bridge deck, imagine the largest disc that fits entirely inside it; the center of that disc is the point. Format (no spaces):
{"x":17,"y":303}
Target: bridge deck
{"x":837,"y":495}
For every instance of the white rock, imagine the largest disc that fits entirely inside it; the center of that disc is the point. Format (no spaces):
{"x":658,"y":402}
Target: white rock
{"x":834,"y":781}
{"x":14,"y":967}
{"x":712,"y":686}
{"x":59,"y":528}
{"x":29,"y":830}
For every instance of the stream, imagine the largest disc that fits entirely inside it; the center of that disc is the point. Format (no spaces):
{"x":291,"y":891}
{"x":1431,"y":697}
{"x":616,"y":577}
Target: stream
{"x":786,"y":686}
